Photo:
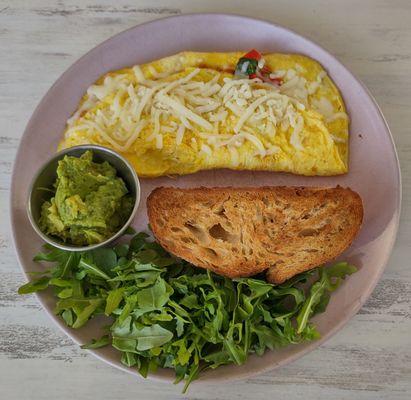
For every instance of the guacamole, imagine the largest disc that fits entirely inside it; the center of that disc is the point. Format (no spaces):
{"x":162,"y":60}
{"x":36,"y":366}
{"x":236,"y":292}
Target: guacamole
{"x":90,"y":203}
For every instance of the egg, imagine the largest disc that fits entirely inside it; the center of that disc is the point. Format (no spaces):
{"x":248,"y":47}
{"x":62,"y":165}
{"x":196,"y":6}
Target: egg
{"x":189,"y":112}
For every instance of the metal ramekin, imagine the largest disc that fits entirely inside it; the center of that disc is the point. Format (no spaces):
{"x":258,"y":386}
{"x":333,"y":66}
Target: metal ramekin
{"x":47,"y":175}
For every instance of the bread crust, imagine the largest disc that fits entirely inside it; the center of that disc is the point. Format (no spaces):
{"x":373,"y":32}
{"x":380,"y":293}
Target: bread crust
{"x":239,"y":232}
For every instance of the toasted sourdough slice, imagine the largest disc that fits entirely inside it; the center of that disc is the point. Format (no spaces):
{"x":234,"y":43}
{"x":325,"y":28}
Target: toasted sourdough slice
{"x":239,"y":232}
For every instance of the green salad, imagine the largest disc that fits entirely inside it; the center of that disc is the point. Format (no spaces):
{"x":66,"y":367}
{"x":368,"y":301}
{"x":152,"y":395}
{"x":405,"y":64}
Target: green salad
{"x":168,"y":313}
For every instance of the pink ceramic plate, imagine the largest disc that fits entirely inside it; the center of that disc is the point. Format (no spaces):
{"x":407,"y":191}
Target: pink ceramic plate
{"x":374,"y":170}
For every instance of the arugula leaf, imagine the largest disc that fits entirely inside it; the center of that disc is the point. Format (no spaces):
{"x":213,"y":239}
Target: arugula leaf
{"x":232,"y":344}
{"x":121,"y":250}
{"x":330,"y":279}
{"x":67,"y":316}
{"x":267,"y":337}
{"x":190,"y":301}
{"x":53,"y":255}
{"x":85,"y":312}
{"x":128,"y":337}
{"x":113,"y":300}
{"x":192,"y":374}
{"x":130,"y":231}
{"x":88,"y":265}
{"x":152,"y":336}
{"x":34,"y":286}
{"x":105,"y":259}
{"x":69,"y":262}
{"x":97,"y":344}
{"x":128,"y":359}
{"x":82,"y":308}
{"x":138,"y":242}
{"x":154,"y":297}
{"x":217,"y":358}
{"x":179,"y":325}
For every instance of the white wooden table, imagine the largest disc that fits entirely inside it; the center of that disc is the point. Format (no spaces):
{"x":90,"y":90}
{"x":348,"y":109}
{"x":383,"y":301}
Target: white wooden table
{"x":369,"y":359}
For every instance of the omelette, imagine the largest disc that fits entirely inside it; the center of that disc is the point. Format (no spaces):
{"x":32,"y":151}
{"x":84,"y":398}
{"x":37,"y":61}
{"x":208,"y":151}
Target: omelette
{"x":191,"y":112}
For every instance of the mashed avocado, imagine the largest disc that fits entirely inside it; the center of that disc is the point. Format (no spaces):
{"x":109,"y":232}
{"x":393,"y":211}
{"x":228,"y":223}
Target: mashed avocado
{"x":90,"y":204}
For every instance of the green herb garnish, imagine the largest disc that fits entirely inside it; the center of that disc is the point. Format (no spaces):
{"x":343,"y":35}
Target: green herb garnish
{"x":167,"y":313}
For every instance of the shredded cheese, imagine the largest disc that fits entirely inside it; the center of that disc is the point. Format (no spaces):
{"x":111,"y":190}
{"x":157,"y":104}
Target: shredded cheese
{"x":184,"y":111}
{"x":249,"y":111}
{"x":159,"y":142}
{"x":337,"y":139}
{"x":235,"y":158}
{"x":180,"y":134}
{"x":254,"y":110}
{"x":206,"y":149}
{"x":295,"y":136}
{"x":138,"y":74}
{"x":338,"y":115}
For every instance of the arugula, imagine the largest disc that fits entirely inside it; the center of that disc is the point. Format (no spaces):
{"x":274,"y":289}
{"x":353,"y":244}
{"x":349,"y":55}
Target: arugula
{"x":317,"y":301}
{"x":168,"y":313}
{"x":96,"y":344}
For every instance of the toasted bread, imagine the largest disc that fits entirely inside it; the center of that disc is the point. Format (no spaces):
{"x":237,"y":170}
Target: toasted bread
{"x":239,"y":232}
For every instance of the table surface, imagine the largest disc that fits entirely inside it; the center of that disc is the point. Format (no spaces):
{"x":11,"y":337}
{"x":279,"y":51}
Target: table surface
{"x":369,"y":359}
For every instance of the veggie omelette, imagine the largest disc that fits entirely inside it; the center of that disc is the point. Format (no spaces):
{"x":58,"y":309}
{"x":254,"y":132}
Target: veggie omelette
{"x":197,"y":111}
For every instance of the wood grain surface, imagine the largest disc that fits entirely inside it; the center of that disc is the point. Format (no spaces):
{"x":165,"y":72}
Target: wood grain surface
{"x":369,"y":359}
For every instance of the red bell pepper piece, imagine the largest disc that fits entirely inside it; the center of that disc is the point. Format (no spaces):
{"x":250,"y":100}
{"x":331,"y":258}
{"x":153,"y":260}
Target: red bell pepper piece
{"x":253,"y":54}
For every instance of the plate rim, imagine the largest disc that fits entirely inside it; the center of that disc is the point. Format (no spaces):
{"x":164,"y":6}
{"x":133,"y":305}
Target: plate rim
{"x":311,"y":345}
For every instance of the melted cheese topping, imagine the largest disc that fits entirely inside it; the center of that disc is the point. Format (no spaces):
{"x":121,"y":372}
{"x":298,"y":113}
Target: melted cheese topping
{"x":124,"y":106}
